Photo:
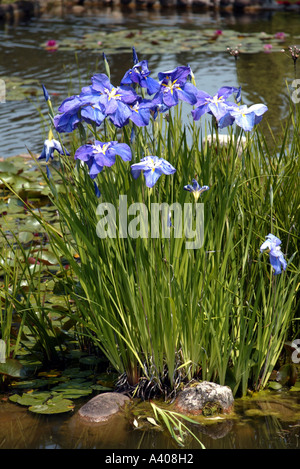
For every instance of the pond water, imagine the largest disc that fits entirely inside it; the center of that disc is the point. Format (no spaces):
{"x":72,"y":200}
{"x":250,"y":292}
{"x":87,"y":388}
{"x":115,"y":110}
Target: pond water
{"x":25,"y":63}
{"x":268,"y":421}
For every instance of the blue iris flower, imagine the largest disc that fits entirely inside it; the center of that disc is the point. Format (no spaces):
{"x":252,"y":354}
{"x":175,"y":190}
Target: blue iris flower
{"x":114,"y":101}
{"x":244,"y":116}
{"x":139,"y":75}
{"x":134,"y":56}
{"x":277,"y":259}
{"x":83,"y":107}
{"x":174,"y":86}
{"x":102,"y":154}
{"x":97,"y":190}
{"x":153,"y":167}
{"x":238,"y":95}
{"x":46,"y":94}
{"x":50,"y":145}
{"x":91,"y":111}
{"x":70,"y":117}
{"x":216,"y":105}
{"x":94,"y":104}
{"x":196,"y":189}
{"x":141,"y":112}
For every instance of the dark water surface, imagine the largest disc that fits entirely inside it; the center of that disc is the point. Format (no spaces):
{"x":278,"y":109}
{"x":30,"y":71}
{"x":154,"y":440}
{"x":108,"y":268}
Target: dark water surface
{"x":23,"y":57}
{"x":265,"y":423}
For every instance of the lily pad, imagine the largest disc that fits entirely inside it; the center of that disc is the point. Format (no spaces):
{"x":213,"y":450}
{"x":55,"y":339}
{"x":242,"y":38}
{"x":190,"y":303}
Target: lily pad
{"x":30,"y":398}
{"x":90,"y":361}
{"x":30,"y":384}
{"x":56,"y":405}
{"x":18,"y":89}
{"x":99,"y":387}
{"x":274,"y":385}
{"x":8,"y":167}
{"x":13,"y":368}
{"x":296,"y":387}
{"x":159,"y":41}
{"x":25,"y":237}
{"x":73,"y":389}
{"x":287,"y":374}
{"x":76,"y":372}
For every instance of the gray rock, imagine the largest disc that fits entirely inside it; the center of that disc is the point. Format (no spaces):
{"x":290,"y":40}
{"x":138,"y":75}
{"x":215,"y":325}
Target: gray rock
{"x":101,"y":407}
{"x":205,"y":398}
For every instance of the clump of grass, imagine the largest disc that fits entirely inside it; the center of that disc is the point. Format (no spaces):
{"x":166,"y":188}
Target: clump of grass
{"x":164,"y":314}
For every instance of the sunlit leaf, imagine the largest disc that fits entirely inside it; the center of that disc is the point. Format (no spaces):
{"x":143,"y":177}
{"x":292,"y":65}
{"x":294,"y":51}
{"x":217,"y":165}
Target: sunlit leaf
{"x":13,"y":368}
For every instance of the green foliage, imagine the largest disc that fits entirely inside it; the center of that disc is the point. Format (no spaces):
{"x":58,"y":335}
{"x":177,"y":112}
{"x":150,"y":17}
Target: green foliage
{"x":44,"y":403}
{"x":163,"y":314}
{"x":168,"y":39}
{"x":173,"y":422}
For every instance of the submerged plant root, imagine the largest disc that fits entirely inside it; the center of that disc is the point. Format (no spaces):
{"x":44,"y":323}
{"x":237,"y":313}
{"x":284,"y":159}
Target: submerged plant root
{"x":154,"y":387}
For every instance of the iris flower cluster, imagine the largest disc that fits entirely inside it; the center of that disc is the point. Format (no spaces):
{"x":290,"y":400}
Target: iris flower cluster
{"x":226,"y":112}
{"x":127,"y":103}
{"x":121,"y":104}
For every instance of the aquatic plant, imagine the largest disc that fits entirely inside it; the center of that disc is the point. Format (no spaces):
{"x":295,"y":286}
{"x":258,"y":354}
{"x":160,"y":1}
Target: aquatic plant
{"x":193,"y":300}
{"x":174,"y":423}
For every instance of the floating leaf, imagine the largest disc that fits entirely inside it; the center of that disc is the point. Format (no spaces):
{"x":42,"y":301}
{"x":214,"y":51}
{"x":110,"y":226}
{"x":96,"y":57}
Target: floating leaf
{"x":74,"y":389}
{"x":29,"y":399}
{"x":43,"y":402}
{"x":53,"y":406}
{"x":274,"y":385}
{"x":99,"y":387}
{"x":287,"y":374}
{"x":46,"y":257}
{"x":296,"y":387}
{"x":18,"y":89}
{"x":34,"y":383}
{"x":25,"y":237}
{"x":90,"y":360}
{"x":8,"y":167}
{"x":13,"y":368}
{"x":165,"y":41}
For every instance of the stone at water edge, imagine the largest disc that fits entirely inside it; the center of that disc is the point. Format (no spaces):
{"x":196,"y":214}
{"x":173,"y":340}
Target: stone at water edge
{"x":194,"y":398}
{"x":101,"y":407}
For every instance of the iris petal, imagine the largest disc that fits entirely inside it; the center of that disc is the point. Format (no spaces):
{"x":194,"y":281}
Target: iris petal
{"x":151,"y":177}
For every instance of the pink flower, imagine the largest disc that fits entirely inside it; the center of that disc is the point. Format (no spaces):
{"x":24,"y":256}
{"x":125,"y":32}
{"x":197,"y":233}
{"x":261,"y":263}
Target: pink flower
{"x":267,"y":48}
{"x":281,"y":36}
{"x":51,"y":45}
{"x":216,"y":34}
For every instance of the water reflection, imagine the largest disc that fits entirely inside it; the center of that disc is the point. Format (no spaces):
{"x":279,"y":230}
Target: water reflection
{"x":262,"y":76}
{"x":268,"y":421}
